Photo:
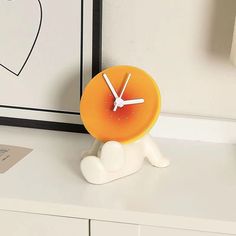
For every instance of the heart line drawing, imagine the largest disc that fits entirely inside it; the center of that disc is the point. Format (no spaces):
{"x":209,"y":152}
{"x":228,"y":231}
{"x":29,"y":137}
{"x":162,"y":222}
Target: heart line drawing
{"x":33,"y":45}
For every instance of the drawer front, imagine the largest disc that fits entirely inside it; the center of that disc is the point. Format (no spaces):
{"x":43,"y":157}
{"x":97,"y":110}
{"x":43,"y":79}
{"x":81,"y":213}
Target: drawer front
{"x":102,"y":228}
{"x":24,"y":224}
{"x":155,"y":231}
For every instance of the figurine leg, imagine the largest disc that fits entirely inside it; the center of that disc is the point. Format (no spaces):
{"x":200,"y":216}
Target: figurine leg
{"x":93,"y":170}
{"x":112,"y":156}
{"x":104,"y":167}
{"x":153,"y":153}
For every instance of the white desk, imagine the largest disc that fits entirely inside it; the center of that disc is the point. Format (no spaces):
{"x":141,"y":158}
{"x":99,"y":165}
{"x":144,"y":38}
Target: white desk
{"x":195,"y":195}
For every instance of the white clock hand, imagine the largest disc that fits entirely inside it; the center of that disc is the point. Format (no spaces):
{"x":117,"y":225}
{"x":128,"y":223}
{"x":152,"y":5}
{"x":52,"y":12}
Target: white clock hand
{"x":133,"y":101}
{"x":119,"y":100}
{"x":126,"y":82}
{"x":110,"y":85}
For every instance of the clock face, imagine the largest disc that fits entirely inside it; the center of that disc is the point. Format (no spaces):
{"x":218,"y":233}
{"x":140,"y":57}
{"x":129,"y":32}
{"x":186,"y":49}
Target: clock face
{"x":121,"y":104}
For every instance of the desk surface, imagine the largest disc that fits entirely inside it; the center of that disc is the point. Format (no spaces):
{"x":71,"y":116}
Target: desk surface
{"x":197,"y":191}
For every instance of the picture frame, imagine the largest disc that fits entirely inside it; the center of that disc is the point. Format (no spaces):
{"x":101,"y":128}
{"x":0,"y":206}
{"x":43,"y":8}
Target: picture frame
{"x":63,"y":116}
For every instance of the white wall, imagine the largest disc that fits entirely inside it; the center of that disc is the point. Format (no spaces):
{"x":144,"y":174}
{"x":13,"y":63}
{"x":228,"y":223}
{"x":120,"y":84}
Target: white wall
{"x":184,"y":44}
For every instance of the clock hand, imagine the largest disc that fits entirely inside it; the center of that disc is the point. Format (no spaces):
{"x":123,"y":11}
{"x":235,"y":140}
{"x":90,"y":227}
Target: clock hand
{"x":133,"y":101}
{"x":110,"y":85}
{"x":126,"y":82}
{"x":119,"y":101}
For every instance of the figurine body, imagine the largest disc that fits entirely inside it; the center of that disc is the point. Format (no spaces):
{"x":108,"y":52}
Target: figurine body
{"x":108,"y":161}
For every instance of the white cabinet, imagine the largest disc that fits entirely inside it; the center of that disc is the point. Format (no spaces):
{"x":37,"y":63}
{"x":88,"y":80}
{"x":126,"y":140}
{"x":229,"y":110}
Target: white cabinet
{"x":153,"y":202}
{"x":102,"y":228}
{"x":24,"y":224}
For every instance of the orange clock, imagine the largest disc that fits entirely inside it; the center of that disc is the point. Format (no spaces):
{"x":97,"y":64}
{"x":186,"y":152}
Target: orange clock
{"x":121,"y":104}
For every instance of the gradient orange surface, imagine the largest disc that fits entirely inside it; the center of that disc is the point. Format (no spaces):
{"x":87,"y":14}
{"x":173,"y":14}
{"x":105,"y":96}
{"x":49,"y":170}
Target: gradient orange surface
{"x":128,"y":123}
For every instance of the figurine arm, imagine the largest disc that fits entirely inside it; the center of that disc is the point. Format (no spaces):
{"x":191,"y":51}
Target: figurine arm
{"x":93,"y":151}
{"x":153,"y":153}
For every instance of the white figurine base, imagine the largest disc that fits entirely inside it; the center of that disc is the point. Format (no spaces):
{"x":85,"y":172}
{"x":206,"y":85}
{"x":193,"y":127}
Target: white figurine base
{"x":105,"y":162}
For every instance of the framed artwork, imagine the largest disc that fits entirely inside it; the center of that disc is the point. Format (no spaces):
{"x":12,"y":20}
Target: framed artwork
{"x":48,"y":52}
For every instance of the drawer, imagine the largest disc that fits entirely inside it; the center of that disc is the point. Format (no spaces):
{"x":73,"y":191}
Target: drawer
{"x":155,"y":231}
{"x":102,"y":228}
{"x":25,"y":224}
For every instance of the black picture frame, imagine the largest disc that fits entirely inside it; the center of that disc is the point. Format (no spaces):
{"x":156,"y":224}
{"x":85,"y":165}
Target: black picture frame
{"x":96,"y":68}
